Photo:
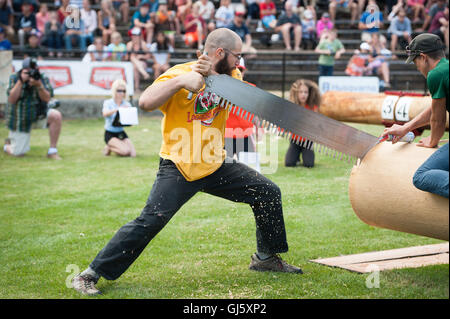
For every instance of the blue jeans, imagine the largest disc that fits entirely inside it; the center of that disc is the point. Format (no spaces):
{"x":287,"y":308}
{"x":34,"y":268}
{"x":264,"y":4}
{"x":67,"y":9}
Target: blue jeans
{"x":432,"y":175}
{"x":326,"y":70}
{"x":80,"y":39}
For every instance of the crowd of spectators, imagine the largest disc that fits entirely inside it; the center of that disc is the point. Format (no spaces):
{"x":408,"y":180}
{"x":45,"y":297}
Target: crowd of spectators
{"x":93,"y":27}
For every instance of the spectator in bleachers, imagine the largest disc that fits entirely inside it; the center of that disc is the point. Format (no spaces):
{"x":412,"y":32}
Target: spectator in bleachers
{"x":7,"y":19}
{"x":167,"y":22}
{"x":27,"y":22}
{"x":63,"y":11}
{"x":195,"y":28}
{"x":42,"y":18}
{"x":33,"y":49}
{"x":123,"y":7}
{"x":380,"y":57}
{"x":106,"y":21}
{"x":268,"y":11}
{"x":74,"y":31}
{"x":400,"y":27}
{"x":5,"y":44}
{"x":89,"y":17}
{"x":400,"y":5}
{"x":207,"y":11}
{"x":160,"y":50}
{"x":330,"y":48}
{"x":362,"y":63}
{"x":344,"y":5}
{"x":139,"y":55}
{"x":225,"y":14}
{"x":289,"y":26}
{"x":434,"y":9}
{"x":309,"y":37}
{"x":252,"y":7}
{"x":117,"y":50}
{"x":371,"y":21}
{"x":53,"y":35}
{"x":97,"y":51}
{"x":183,"y":8}
{"x":418,"y":9}
{"x":142,"y":19}
{"x":439,"y":25}
{"x":243,"y":32}
{"x":324,"y":24}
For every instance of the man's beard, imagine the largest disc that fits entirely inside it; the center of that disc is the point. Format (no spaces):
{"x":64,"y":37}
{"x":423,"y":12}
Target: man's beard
{"x":222,"y":66}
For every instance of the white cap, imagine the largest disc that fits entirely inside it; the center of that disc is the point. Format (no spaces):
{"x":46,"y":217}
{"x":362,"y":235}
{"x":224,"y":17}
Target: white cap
{"x":365,"y":46}
{"x":308,"y":14}
{"x":136,"y":31}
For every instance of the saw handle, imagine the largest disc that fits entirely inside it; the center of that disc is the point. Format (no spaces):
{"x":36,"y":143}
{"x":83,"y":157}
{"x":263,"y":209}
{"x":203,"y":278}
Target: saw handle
{"x":189,"y":96}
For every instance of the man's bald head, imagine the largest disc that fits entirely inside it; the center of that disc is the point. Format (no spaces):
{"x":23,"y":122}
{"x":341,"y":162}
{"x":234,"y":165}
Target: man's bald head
{"x":223,"y":38}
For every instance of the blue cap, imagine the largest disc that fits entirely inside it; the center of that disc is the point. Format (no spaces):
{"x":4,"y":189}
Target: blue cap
{"x":144,"y":3}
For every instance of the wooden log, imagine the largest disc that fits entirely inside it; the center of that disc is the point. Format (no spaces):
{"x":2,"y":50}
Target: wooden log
{"x":372,"y":108}
{"x":382,"y":193}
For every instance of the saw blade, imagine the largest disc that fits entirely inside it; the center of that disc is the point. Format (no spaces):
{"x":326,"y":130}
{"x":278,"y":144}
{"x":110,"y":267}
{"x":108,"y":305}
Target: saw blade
{"x":300,"y":125}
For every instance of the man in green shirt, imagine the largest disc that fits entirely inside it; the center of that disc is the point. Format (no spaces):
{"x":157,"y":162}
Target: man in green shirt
{"x":427,"y":52}
{"x":28,"y":94}
{"x":330,"y":48}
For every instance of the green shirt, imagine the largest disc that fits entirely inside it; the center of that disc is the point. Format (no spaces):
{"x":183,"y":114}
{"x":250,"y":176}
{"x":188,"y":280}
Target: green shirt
{"x":21,"y":115}
{"x":437,"y":81}
{"x":325,"y":59}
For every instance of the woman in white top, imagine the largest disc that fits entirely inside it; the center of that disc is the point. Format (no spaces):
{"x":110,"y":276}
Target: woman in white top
{"x":116,"y":139}
{"x":89,"y":17}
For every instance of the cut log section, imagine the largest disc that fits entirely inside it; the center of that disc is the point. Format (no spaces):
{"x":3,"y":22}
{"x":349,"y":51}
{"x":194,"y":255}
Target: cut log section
{"x":382,"y":193}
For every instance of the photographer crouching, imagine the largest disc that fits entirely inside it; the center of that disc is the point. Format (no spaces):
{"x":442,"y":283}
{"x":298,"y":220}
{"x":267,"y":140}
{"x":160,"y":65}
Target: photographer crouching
{"x":29,"y":93}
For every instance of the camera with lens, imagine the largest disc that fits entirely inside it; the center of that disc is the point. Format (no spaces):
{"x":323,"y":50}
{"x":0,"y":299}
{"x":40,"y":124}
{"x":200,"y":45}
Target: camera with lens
{"x":35,"y":74}
{"x":31,"y":63}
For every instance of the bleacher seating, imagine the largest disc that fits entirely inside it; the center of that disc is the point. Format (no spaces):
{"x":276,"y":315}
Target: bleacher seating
{"x":273,"y":64}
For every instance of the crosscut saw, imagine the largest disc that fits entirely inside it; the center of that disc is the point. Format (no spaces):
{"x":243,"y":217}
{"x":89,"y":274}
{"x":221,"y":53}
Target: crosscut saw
{"x":304,"y":127}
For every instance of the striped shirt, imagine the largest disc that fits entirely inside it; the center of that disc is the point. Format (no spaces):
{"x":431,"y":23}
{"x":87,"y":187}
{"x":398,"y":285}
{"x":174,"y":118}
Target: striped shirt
{"x":21,"y":115}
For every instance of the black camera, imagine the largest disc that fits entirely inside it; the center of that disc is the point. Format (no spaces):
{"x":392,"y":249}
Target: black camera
{"x":35,"y":74}
{"x":31,"y":63}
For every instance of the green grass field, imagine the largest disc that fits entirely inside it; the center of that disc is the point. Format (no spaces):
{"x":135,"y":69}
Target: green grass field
{"x":56,"y":215}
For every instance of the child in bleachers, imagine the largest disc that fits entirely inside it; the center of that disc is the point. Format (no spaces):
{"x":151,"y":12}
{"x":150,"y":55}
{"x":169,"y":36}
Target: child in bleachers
{"x":268,"y":13}
{"x":142,"y":19}
{"x":160,"y":50}
{"x":195,"y":28}
{"x":105,"y":20}
{"x":167,"y":21}
{"x":27,"y":22}
{"x":309,"y":30}
{"x":42,"y":18}
{"x":53,"y":34}
{"x":224,"y":15}
{"x":117,"y":49}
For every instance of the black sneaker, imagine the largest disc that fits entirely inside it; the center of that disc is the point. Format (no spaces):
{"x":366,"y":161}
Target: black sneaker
{"x":85,"y":284}
{"x":274,"y":263}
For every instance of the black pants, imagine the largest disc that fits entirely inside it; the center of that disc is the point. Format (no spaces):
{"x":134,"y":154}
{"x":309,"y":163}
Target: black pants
{"x":234,"y":181}
{"x":293,"y":156}
{"x":237,"y":145}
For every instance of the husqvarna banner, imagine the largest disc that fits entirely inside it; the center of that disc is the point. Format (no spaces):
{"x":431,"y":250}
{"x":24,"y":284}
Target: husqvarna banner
{"x":84,"y":78}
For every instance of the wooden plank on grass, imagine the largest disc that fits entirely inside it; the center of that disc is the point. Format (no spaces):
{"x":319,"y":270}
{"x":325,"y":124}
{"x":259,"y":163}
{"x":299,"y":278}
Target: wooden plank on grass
{"x":413,"y":262}
{"x":384,"y":255}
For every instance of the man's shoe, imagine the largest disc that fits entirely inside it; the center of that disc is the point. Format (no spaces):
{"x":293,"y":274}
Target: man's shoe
{"x":274,"y":263}
{"x":85,"y":285}
{"x":54,"y":156}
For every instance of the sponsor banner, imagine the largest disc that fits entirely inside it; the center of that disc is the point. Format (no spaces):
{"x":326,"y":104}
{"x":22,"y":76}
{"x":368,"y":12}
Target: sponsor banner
{"x":363,"y":84}
{"x":84,"y":78}
{"x":5,"y":72}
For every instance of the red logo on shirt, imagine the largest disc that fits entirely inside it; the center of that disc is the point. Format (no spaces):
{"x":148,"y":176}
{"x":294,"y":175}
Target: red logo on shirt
{"x":103,"y":76}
